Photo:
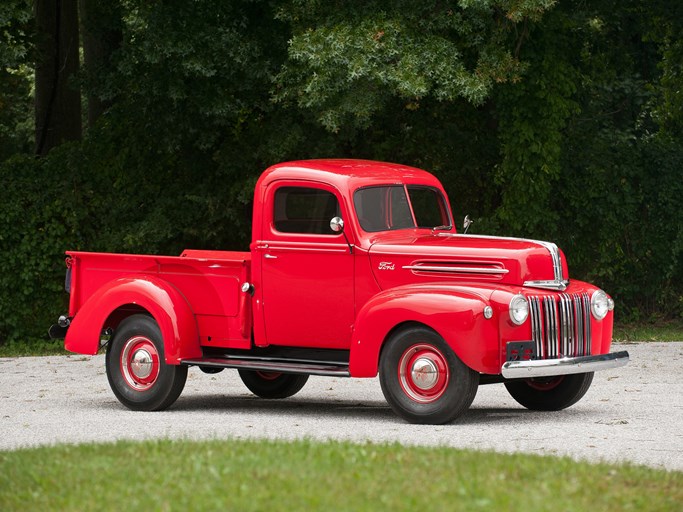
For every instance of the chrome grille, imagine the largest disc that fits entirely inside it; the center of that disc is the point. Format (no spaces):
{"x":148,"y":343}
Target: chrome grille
{"x":560,"y":325}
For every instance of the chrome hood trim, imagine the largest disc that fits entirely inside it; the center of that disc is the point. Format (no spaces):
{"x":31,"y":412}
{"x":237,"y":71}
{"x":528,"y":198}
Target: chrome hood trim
{"x":557,"y":284}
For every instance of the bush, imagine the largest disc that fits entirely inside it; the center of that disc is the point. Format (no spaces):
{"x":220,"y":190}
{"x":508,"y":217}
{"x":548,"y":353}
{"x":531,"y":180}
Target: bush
{"x":43,"y":213}
{"x":622,"y":221}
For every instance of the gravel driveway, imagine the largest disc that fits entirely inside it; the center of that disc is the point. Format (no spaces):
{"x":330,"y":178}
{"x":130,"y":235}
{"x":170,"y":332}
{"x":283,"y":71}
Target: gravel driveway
{"x":629,"y":414}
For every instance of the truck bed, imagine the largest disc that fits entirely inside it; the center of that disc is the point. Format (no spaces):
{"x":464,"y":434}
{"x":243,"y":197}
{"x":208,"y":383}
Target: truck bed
{"x":209,"y":280}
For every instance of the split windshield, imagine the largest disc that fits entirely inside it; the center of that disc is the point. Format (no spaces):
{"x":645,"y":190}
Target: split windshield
{"x":387,"y":208}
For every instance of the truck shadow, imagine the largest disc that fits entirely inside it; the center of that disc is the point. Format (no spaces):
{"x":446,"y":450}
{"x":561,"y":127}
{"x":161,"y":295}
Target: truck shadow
{"x":370,"y":410}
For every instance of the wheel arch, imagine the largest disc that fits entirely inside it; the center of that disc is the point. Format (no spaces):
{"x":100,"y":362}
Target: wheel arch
{"x":124,"y":297}
{"x":455,"y":315}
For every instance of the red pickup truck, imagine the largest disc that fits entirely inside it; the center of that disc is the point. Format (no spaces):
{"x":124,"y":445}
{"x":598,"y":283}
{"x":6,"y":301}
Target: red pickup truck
{"x":355,"y":268}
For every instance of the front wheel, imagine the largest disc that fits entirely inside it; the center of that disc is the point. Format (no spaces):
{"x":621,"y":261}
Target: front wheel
{"x":272,"y":384}
{"x":423,"y":380}
{"x":550,"y":393}
{"x":137,"y":372}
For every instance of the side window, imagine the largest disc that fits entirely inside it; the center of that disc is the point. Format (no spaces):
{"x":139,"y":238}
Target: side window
{"x":304,"y":210}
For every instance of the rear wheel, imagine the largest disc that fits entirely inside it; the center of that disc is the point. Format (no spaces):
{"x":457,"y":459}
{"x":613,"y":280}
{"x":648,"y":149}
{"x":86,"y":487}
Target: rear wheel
{"x":272,"y":384}
{"x":550,"y":393}
{"x":423,"y":380}
{"x":137,"y":372}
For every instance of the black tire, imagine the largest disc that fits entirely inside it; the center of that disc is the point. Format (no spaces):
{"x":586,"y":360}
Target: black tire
{"x":550,"y":393}
{"x":211,"y":370}
{"x":423,"y":380}
{"x":272,"y":384}
{"x":136,"y":369}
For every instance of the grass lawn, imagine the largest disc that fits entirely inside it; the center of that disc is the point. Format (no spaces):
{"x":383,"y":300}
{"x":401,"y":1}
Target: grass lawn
{"x":660,"y":331}
{"x":269,"y":475}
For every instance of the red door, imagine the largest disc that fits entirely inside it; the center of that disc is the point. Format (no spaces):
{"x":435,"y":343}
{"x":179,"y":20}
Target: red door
{"x":306,"y":268}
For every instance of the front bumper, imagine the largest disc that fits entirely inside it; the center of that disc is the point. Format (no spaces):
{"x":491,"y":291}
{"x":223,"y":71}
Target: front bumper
{"x":564,"y":366}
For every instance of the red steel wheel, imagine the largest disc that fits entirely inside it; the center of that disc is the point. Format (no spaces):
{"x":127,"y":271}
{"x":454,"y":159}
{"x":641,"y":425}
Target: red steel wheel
{"x":139,"y":363}
{"x":136,"y":368}
{"x":423,"y":373}
{"x":545,"y":384}
{"x":423,"y":380}
{"x":268,"y":375}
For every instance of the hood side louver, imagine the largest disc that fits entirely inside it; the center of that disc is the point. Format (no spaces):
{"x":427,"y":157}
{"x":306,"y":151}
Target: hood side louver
{"x":458,"y":268}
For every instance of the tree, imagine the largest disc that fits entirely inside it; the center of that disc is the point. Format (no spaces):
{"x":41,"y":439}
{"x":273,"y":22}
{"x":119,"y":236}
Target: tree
{"x":102,"y":34}
{"x":16,"y":77}
{"x":58,"y":98}
{"x":347,"y":59}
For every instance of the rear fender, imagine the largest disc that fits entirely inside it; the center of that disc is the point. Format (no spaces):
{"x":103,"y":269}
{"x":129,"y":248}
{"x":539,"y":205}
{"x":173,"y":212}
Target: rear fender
{"x":456,"y":315}
{"x":159,"y":298}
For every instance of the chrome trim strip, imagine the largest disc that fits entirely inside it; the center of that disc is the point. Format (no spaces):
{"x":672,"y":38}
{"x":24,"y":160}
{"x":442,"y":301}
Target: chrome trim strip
{"x":536,"y":333}
{"x":464,"y":270}
{"x":564,"y":366}
{"x":550,"y":246}
{"x":315,"y":247}
{"x":580,"y":335}
{"x":559,"y":286}
{"x":565,"y":322}
{"x":587,"y":321}
{"x":320,"y":369}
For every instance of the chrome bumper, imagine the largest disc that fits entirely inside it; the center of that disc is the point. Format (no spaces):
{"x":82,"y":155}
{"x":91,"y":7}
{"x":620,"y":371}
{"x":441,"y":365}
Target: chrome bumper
{"x":564,"y":366}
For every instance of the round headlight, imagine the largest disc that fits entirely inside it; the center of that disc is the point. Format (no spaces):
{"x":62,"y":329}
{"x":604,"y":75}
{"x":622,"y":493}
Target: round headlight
{"x":600,"y":304}
{"x":519,"y":309}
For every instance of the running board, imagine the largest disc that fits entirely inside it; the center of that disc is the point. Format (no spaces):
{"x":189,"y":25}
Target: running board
{"x":308,"y":368}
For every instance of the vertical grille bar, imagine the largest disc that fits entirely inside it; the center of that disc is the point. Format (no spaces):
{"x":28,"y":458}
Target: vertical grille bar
{"x":579,"y":325}
{"x":536,"y":334}
{"x":587,"y":321}
{"x":571,"y":311}
{"x":560,"y":325}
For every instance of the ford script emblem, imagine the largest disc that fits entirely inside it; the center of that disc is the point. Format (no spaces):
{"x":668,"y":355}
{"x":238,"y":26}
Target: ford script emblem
{"x":386,"y":265}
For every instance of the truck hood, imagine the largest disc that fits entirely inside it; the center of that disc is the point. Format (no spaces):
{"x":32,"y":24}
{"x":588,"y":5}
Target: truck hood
{"x":398,"y":260}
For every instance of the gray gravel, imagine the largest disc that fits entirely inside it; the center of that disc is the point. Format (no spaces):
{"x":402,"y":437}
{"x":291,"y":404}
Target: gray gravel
{"x":630,"y":414}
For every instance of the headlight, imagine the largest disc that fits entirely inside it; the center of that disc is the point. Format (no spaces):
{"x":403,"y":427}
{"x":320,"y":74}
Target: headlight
{"x":601,"y":304}
{"x":519,"y":309}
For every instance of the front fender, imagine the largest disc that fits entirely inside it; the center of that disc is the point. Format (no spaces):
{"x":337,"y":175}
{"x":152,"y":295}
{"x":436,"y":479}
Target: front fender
{"x":161,"y":299}
{"x":457,"y":315}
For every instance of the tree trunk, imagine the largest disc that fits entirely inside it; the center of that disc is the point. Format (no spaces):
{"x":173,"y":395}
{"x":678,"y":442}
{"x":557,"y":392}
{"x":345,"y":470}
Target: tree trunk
{"x":58,"y":100}
{"x":102,"y":36}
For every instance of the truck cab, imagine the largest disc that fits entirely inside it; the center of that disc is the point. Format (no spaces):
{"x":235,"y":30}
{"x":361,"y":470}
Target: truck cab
{"x":355,"y":268}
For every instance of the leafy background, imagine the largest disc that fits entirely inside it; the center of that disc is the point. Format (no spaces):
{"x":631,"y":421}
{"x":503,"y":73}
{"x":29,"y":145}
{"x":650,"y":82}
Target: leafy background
{"x":553,"y":120}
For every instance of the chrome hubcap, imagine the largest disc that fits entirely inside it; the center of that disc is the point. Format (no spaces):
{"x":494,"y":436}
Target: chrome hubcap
{"x":141,"y":365}
{"x":425,"y":374}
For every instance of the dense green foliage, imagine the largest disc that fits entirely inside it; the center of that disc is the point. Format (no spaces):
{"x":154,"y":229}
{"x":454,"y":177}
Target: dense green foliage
{"x":304,"y":475}
{"x":557,"y":121}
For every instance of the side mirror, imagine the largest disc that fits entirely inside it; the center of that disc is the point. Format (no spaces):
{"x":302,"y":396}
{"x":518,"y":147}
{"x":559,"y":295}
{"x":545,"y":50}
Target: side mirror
{"x":466,"y":224}
{"x":337,"y":225}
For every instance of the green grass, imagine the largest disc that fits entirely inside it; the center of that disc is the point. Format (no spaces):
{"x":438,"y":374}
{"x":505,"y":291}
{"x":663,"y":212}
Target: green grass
{"x":35,"y":347}
{"x":304,"y":475}
{"x":659,"y":331}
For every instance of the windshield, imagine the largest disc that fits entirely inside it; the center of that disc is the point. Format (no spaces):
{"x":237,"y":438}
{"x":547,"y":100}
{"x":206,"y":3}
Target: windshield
{"x":388,"y":208}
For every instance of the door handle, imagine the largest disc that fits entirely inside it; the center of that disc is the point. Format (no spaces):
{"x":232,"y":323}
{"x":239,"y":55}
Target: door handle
{"x":269,"y":257}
